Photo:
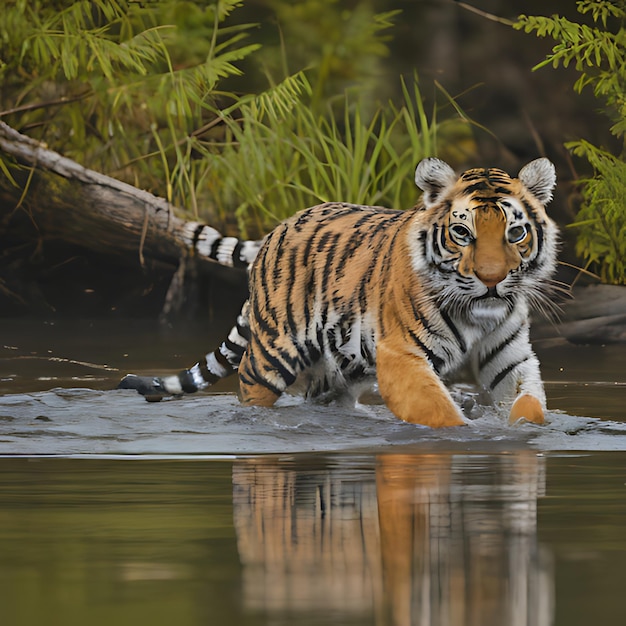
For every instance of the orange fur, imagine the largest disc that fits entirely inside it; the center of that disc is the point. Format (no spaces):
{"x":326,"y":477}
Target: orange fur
{"x":527,"y":407}
{"x":254,"y":393}
{"x":411,"y":389}
{"x":406,"y":380}
{"x":493,"y":258}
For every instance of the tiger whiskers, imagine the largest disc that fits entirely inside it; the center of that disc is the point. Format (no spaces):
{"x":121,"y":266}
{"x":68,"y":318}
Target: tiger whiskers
{"x":540,"y":300}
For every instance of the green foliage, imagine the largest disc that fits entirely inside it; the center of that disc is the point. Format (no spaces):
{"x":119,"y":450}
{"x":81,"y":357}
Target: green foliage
{"x":105,"y":82}
{"x":278,"y":161}
{"x":344,"y":46}
{"x":598,"y":52}
{"x":139,"y":90}
{"x":602,"y":219}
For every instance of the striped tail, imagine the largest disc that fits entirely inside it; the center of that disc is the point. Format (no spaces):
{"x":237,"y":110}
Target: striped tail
{"x":209,"y":243}
{"x":223,"y":361}
{"x":214,"y":366}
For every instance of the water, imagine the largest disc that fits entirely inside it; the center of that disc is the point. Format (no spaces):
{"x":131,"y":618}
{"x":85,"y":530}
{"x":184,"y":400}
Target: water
{"x":516,"y":538}
{"x":203,"y":512}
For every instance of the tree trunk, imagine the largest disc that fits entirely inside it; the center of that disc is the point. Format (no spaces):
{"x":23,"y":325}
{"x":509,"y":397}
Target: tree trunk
{"x":58,"y":200}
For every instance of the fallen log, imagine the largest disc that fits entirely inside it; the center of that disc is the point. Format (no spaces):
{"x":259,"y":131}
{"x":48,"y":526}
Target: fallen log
{"x":68,"y":203}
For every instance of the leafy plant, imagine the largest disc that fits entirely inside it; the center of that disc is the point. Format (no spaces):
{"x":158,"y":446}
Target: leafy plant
{"x":602,"y":219}
{"x":137,"y":90}
{"x":598,"y":52}
{"x":278,"y":161}
{"x":106,"y":81}
{"x":342,"y":45}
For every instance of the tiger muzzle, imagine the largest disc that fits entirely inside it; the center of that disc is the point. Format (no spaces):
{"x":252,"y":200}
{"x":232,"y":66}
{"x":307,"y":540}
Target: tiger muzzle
{"x":490,"y":278}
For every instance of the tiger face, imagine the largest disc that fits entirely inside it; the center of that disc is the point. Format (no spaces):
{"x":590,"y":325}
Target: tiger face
{"x":486,"y":236}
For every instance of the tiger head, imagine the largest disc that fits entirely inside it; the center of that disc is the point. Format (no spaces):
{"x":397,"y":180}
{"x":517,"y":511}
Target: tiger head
{"x":485,"y":238}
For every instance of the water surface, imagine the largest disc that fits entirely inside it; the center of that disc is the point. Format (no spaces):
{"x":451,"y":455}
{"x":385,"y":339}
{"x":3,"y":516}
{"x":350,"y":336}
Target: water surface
{"x":414,"y":538}
{"x":203,"y":512}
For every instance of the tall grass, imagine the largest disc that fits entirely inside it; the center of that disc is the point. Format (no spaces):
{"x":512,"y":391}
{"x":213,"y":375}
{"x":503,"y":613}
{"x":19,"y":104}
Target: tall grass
{"x":276,"y":160}
{"x":136,"y":90}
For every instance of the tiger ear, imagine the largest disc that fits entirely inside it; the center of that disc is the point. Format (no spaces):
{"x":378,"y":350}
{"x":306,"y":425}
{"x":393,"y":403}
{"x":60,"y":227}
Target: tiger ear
{"x":433,"y":177}
{"x":539,"y":177}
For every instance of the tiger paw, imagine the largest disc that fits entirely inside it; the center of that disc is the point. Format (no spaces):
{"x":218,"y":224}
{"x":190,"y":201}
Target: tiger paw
{"x":528,"y":408}
{"x":150,"y":387}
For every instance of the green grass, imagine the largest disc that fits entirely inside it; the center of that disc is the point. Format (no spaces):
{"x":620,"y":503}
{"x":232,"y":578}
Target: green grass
{"x":276,"y":160}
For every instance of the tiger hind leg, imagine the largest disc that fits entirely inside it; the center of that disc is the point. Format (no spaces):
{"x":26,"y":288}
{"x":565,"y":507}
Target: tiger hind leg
{"x":253,"y":389}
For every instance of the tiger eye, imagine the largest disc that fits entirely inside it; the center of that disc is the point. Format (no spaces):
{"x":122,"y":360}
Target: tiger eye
{"x":517,"y":233}
{"x":461,"y":235}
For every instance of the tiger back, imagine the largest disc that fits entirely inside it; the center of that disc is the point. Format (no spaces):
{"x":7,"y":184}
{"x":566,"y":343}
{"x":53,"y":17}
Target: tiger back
{"x":343,"y":294}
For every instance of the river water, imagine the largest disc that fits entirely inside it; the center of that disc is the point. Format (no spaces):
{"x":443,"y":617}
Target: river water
{"x":202,"y":512}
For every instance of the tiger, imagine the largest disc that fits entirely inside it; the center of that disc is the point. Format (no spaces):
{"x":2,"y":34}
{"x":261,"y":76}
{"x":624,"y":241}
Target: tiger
{"x":342,"y":296}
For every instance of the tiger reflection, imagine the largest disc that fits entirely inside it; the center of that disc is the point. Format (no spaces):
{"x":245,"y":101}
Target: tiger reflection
{"x":424,"y":540}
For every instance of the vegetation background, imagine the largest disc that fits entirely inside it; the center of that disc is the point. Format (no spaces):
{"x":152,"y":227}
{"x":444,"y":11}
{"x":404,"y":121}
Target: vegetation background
{"x":243,"y":112}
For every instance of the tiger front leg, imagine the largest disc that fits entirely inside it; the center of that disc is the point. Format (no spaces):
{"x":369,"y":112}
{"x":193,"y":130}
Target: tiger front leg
{"x":517,"y":385}
{"x":526,"y":387}
{"x":412,"y":390}
{"x":527,"y":407}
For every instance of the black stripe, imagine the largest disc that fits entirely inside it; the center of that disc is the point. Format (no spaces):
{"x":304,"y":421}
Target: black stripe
{"x":530,"y":211}
{"x":314,"y":352}
{"x":539,"y":231}
{"x":244,"y":331}
{"x":264,"y":294}
{"x":499,"y":377}
{"x":233,"y":347}
{"x":208,"y":376}
{"x":279,"y":250}
{"x":236,"y":256}
{"x":366,"y":353}
{"x":443,"y":243}
{"x":322,"y":241}
{"x":455,"y":331}
{"x":331,"y":250}
{"x":497,"y":349}
{"x":187,"y":382}
{"x":277,"y":363}
{"x":356,"y":239}
{"x":291,"y":325}
{"x":304,"y":217}
{"x":367,"y":216}
{"x":244,"y":379}
{"x":419,"y":316}
{"x":214,"y":248}
{"x":436,"y":361}
{"x":319,"y":335}
{"x":362,"y":297}
{"x":307,"y":250}
{"x":196,"y":234}
{"x":390,"y":245}
{"x":488,"y":202}
{"x":222,"y":359}
{"x":254,"y":371}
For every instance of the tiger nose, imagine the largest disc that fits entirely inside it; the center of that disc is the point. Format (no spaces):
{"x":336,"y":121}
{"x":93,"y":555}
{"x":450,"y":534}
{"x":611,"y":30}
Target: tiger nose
{"x":490,"y":278}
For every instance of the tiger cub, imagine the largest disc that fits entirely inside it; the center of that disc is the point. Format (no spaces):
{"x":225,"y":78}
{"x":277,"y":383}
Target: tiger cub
{"x":342,"y":293}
